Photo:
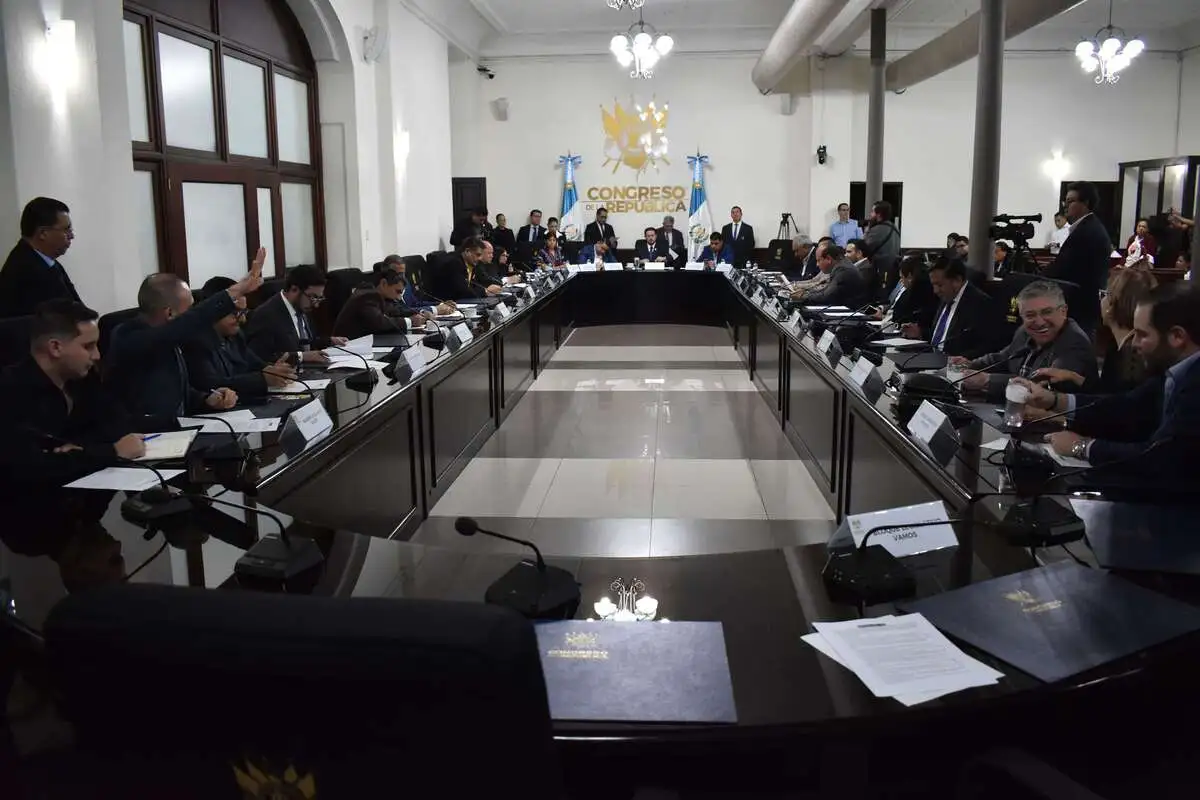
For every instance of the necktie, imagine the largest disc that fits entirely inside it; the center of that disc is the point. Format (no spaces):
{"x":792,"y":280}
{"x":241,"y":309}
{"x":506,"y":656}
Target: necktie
{"x":939,"y":332}
{"x":736,"y":226}
{"x":181,"y":367}
{"x":302,"y":325}
{"x":532,"y":233}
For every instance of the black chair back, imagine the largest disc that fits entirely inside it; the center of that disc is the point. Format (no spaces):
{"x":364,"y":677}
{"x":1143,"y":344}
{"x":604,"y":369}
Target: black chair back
{"x":334,"y":696}
{"x":270,"y":288}
{"x":340,"y":284}
{"x":414,"y":270}
{"x":14,"y":339}
{"x":109,"y":322}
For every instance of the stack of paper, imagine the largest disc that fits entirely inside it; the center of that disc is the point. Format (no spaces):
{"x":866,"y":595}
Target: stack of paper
{"x":899,"y":342}
{"x":122,"y":479}
{"x":241,"y":421}
{"x":293,"y":387}
{"x":362,"y":346}
{"x":168,"y":445}
{"x":901,"y":657}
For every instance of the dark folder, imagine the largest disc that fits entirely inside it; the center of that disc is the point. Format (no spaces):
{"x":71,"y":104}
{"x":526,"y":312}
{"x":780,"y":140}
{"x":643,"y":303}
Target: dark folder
{"x":1057,"y":621}
{"x":1154,"y":538}
{"x":636,"y":671}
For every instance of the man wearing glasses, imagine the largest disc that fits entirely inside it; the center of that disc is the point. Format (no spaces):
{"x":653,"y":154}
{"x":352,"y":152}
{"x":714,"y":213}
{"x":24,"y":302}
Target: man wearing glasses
{"x":283,"y":327}
{"x":1047,"y":338}
{"x":31,"y":274}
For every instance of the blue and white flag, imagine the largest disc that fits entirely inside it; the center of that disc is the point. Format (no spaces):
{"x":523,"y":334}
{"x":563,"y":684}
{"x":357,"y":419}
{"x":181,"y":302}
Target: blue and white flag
{"x":569,"y":222}
{"x":700,"y":222}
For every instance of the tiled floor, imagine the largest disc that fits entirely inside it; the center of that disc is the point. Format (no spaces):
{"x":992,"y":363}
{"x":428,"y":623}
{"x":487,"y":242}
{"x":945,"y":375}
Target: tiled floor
{"x":638,"y":441}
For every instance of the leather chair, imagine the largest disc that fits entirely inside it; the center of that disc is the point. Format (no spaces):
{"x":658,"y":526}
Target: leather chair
{"x":109,"y":322}
{"x":269,"y":289}
{"x":341,"y":283}
{"x":414,"y":268}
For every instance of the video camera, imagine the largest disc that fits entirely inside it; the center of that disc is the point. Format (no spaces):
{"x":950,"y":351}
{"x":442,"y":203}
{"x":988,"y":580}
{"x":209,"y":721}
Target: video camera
{"x":1017,"y":227}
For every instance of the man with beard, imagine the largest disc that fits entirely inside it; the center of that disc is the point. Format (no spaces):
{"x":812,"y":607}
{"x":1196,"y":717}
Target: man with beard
{"x":1153,"y":430}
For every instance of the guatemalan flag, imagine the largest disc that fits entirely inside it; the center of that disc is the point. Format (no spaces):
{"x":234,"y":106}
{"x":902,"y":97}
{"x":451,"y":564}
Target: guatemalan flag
{"x":569,"y":222}
{"x":700,"y":223}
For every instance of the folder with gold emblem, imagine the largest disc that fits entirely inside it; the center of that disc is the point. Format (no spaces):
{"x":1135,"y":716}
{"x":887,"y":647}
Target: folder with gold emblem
{"x":1060,"y":620}
{"x":637,"y":671}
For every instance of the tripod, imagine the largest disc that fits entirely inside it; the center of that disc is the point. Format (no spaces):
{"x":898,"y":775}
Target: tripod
{"x":787,"y":224}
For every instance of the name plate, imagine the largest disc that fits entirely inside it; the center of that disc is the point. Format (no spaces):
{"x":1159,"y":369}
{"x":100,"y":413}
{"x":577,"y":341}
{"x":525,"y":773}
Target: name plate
{"x":831,"y":347}
{"x":589,"y":267}
{"x":867,"y":378}
{"x":463,"y":331}
{"x":724,"y":268}
{"x":693,"y":266}
{"x":530,"y":294}
{"x":794,"y":319}
{"x":906,"y":541}
{"x":311,"y":420}
{"x":927,"y":422}
{"x":572,"y":269}
{"x":411,"y":361}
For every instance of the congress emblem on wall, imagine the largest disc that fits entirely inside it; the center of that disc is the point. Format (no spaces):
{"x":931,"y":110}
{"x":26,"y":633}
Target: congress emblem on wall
{"x":635,"y":135}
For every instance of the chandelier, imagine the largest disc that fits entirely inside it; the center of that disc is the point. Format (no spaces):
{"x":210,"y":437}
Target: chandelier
{"x":641,"y":50}
{"x":632,"y":5}
{"x":1108,"y":52}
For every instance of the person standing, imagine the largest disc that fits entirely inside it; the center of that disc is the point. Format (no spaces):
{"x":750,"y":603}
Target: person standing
{"x":1083,"y":259}
{"x":882,"y":241}
{"x":672,"y":238}
{"x":739,"y":235}
{"x":1059,"y":235}
{"x":600,"y":230}
{"x":533,"y":233}
{"x":31,"y":274}
{"x":503,"y":236}
{"x":845,"y":228}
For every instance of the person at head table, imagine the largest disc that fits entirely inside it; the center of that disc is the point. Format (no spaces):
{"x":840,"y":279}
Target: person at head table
{"x":464,"y":275}
{"x":282,"y":325}
{"x":967,"y":321}
{"x":651,"y":248}
{"x":551,"y":255}
{"x":1123,"y":367}
{"x":717,"y":251}
{"x":599,"y":253}
{"x":843,"y":285}
{"x":59,"y":423}
{"x":146,"y":366}
{"x":220,"y":356}
{"x":1047,"y":338}
{"x":1153,"y":430}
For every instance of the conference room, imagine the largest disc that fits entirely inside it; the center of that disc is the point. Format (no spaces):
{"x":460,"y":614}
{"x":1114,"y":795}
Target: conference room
{"x":669,"y":398}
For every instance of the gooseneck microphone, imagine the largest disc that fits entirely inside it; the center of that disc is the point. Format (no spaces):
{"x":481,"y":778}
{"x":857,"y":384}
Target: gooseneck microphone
{"x":533,"y":589}
{"x":1021,"y":353}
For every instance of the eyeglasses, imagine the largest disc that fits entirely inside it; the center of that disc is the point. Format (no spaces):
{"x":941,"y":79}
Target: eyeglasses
{"x":315,"y":299}
{"x":1045,"y":313}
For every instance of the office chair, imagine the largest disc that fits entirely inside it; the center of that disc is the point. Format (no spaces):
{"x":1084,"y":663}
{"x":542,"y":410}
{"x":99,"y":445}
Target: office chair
{"x":109,"y":322}
{"x":269,"y":289}
{"x":341,"y":283}
{"x":208,"y":691}
{"x":414,"y":271}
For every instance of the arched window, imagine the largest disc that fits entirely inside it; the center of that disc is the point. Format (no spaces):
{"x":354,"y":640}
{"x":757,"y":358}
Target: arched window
{"x":226,"y":149}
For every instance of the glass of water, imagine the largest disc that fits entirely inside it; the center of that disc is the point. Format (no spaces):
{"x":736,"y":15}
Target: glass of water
{"x":955,"y":370}
{"x":1015,"y":397}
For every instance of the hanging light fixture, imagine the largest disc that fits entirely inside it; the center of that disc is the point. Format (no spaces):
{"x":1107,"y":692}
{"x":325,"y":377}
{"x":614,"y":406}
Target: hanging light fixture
{"x":641,"y":50}
{"x":632,"y":5}
{"x":1108,"y":53}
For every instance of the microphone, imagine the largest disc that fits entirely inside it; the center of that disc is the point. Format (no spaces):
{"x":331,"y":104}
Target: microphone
{"x":1021,"y":353}
{"x":363,"y":381}
{"x":533,"y":589}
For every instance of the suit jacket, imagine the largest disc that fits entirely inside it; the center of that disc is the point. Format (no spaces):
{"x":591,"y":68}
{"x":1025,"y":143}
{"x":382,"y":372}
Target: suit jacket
{"x":674,"y":240}
{"x":1124,"y":368}
{"x":523,"y":236}
{"x":1083,"y":260}
{"x":726,"y":255}
{"x":917,"y":304}
{"x":214,"y":361}
{"x":505,"y":239}
{"x":465,"y":230}
{"x":451,"y":282}
{"x":588,"y":255}
{"x":271,"y":331}
{"x":146,"y":367}
{"x":844,"y":288}
{"x":809,"y":268}
{"x":642,"y":250}
{"x":743,"y":246}
{"x":1127,"y":425}
{"x":976,"y":328}
{"x":27,"y":281}
{"x":1071,"y":350}
{"x":593,"y":233}
{"x":369,"y":312}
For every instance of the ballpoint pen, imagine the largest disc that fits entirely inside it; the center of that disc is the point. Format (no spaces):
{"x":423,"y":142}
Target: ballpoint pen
{"x":151,"y":436}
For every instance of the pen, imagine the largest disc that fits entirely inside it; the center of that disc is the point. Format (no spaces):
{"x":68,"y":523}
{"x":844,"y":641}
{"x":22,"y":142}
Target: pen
{"x":151,"y":436}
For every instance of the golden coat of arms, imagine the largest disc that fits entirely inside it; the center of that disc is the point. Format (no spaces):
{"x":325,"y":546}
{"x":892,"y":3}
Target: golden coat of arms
{"x":637,"y":138}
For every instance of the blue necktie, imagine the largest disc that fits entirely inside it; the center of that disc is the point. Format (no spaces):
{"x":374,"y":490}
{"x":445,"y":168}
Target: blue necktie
{"x":939,"y":332}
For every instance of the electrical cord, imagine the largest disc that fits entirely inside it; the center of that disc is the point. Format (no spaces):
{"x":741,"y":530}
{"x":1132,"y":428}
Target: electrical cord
{"x":145,"y":563}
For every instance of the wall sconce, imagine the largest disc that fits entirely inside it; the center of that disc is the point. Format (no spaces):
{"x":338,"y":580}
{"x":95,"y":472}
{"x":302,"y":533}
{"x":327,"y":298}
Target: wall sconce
{"x":1056,"y":168}
{"x":60,"y":60}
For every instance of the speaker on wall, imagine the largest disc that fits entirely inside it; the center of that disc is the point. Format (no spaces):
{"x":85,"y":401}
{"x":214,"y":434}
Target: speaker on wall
{"x":500,"y":109}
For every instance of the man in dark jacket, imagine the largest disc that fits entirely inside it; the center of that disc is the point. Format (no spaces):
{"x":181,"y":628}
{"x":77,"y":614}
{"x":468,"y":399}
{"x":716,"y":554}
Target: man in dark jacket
{"x":31,"y":274}
{"x":463,"y":276}
{"x":282,"y":326}
{"x":145,"y":365}
{"x":378,"y":310}
{"x":845,"y":286}
{"x":1084,"y":257}
{"x":221,"y":357}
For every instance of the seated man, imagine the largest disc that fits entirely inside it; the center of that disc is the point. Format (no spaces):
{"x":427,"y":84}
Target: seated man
{"x":1047,"y":338}
{"x":378,"y":310}
{"x":967,"y":322}
{"x":599,"y":253}
{"x":498,"y":265}
{"x":409,"y":296}
{"x":650,"y":248}
{"x":716,"y":252}
{"x":1153,"y":431}
{"x":856,"y":254}
{"x":912,"y":300}
{"x":146,"y":367}
{"x":804,"y":257}
{"x":463,"y":275}
{"x":220,"y":357}
{"x":58,"y":423}
{"x":819,"y":278}
{"x":281,"y":326}
{"x":844,"y":286}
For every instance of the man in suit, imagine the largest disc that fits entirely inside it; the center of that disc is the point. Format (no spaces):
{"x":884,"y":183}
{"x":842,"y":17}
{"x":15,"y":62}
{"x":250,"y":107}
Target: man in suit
{"x":912,"y":299}
{"x":533,"y":233}
{"x":1083,"y":257}
{"x":31,"y":274}
{"x":717,"y":251}
{"x":804,"y":257}
{"x":856,"y":255}
{"x":58,"y":423}
{"x":379,"y":310}
{"x":740,"y":236}
{"x":282,"y":326}
{"x":651,"y":248}
{"x":503,"y":236}
{"x":1153,"y":431}
{"x":600,"y":230}
{"x":1046,"y":338}
{"x":844,"y":286}
{"x":462,"y":276}
{"x":600,"y":252}
{"x":220,"y":357}
{"x":146,"y":367}
{"x":498,"y":264}
{"x":967,"y":323}
{"x":882,"y":242}
{"x":674,"y":241}
{"x":474,"y":226}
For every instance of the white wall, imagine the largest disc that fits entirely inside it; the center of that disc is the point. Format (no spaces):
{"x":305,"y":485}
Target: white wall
{"x":554,"y":106}
{"x":1189,"y":112}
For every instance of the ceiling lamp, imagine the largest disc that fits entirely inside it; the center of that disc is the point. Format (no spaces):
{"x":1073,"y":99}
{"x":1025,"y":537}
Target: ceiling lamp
{"x":1108,"y":53}
{"x":632,"y":5}
{"x":640,"y":50}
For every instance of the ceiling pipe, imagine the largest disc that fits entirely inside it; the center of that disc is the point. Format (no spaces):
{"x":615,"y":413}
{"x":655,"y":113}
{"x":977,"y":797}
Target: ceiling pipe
{"x":850,"y":26}
{"x":805,"y":21}
{"x":961,"y":43}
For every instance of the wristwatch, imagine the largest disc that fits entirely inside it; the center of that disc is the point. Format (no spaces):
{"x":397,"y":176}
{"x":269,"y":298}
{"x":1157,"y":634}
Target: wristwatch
{"x":1080,"y":449}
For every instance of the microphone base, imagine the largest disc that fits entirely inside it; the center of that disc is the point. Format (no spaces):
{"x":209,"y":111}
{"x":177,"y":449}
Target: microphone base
{"x":1040,"y":522}
{"x":362,"y":381}
{"x":867,"y":577}
{"x":552,"y":594}
{"x":272,"y":559}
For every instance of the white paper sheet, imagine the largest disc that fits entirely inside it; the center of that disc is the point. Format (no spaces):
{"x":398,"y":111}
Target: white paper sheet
{"x":239,"y":425}
{"x":900,"y":342}
{"x":356,"y":363}
{"x":292,"y":387}
{"x":122,"y":479}
{"x":822,"y":647}
{"x":995,"y":444}
{"x":362,"y":345}
{"x":167,"y":445}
